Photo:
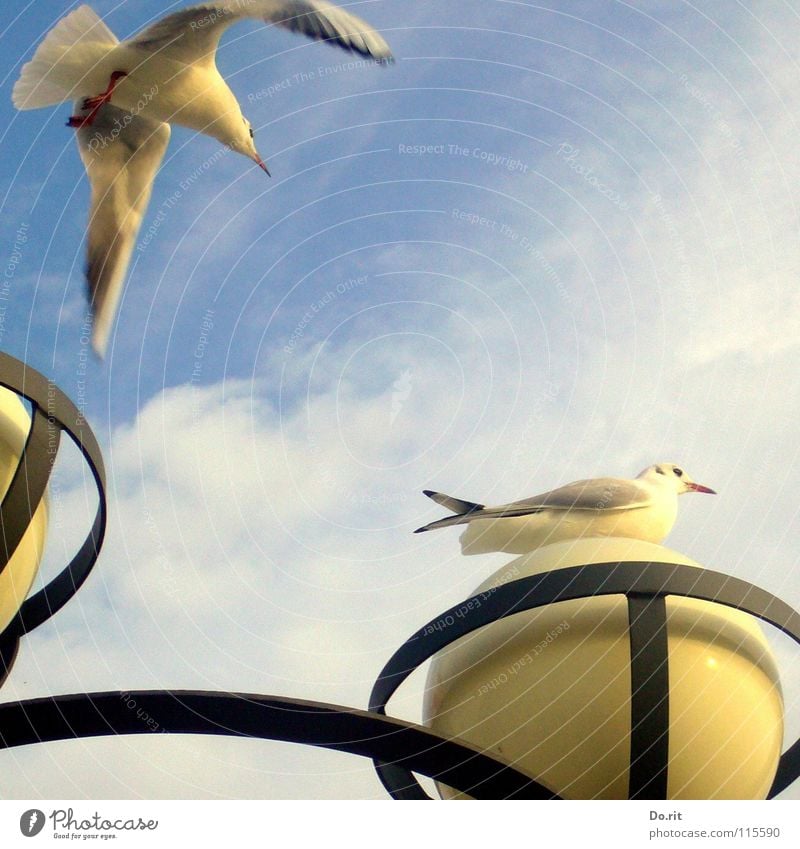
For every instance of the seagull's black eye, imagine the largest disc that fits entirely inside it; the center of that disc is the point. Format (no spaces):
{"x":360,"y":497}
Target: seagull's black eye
{"x":678,"y":472}
{"x":252,"y":135}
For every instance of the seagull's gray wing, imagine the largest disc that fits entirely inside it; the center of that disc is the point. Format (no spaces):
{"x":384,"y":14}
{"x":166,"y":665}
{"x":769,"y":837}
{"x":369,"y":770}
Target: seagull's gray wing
{"x":192,"y":34}
{"x":594,"y":494}
{"x":122,"y":153}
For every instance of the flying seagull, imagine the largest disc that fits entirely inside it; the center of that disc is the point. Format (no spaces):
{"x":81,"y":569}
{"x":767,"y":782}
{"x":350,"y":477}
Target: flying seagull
{"x":126,"y":94}
{"x":644,"y":508}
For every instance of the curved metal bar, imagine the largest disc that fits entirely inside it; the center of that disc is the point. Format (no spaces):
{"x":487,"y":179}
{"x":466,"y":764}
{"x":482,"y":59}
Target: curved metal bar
{"x":400,"y":783}
{"x":9,"y":646}
{"x":596,"y":579}
{"x":28,"y":484}
{"x":269,"y":718}
{"x":640,"y":578}
{"x":58,"y":410}
{"x":788,"y":770}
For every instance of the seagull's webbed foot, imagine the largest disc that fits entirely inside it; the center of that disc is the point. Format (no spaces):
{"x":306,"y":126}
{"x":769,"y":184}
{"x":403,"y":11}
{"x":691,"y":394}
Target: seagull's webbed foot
{"x":94,"y":104}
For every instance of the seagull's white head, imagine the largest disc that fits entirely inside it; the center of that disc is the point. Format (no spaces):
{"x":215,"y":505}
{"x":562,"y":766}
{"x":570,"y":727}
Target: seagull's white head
{"x":241,"y":139}
{"x":671,"y":474}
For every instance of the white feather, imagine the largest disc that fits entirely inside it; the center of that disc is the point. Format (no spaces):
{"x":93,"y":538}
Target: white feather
{"x":41,"y":82}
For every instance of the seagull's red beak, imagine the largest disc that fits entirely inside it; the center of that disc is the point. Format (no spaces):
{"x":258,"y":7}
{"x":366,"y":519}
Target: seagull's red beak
{"x":698,"y":487}
{"x":260,"y":162}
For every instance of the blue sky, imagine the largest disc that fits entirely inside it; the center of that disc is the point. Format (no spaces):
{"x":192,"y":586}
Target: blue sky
{"x":545,"y":244}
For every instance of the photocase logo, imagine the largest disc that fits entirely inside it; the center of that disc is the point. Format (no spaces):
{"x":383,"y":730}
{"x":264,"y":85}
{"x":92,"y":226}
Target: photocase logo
{"x":31,"y":822}
{"x":66,"y":825}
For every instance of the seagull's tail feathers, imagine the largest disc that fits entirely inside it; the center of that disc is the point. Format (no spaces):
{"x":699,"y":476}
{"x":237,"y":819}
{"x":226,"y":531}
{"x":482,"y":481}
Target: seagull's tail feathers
{"x":44,"y":81}
{"x":445,"y":523}
{"x":457,"y":505}
{"x":465,"y":511}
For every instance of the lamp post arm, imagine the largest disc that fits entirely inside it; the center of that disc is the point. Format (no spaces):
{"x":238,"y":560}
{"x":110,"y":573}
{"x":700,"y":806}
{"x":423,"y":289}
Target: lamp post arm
{"x":321,"y":724}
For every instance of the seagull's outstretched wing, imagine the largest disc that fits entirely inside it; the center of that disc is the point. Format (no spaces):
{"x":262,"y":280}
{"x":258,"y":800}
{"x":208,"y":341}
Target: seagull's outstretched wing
{"x":192,"y":34}
{"x":122,"y":153}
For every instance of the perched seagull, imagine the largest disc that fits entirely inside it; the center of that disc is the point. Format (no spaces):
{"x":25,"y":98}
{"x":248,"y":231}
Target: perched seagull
{"x":127,"y":94}
{"x":644,"y":508}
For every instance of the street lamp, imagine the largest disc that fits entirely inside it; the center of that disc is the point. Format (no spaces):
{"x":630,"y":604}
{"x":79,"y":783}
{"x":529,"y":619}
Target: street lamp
{"x":22,"y":536}
{"x":500,"y":751}
{"x":551,"y":689}
{"x":651,"y":588}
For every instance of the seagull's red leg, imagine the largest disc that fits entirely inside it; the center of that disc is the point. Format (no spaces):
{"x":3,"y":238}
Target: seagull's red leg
{"x":95,"y":103}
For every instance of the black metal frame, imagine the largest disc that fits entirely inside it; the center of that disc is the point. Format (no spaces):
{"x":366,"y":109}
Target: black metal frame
{"x":645,"y":585}
{"x":52,"y":413}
